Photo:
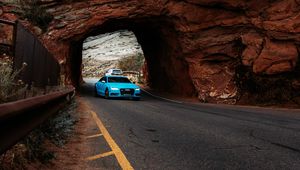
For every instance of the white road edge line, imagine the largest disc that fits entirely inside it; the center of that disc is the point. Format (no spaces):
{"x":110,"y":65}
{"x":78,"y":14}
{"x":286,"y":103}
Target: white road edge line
{"x":170,"y":100}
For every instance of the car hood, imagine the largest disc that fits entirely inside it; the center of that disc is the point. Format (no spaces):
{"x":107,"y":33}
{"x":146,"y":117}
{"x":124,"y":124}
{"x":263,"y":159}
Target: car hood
{"x":123,"y":85}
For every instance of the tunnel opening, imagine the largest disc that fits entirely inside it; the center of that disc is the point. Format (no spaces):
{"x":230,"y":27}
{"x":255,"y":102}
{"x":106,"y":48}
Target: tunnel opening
{"x":117,"y":50}
{"x":166,"y":69}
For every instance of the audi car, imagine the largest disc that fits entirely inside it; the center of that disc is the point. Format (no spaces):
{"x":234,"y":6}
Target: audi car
{"x":117,"y":87}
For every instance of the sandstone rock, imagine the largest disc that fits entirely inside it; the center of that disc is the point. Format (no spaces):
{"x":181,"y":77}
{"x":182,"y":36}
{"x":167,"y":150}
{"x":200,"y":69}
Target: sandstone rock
{"x":70,"y":17}
{"x":1,"y":11}
{"x":276,"y":57}
{"x":296,"y":84}
{"x":281,"y":10}
{"x":37,"y":30}
{"x":60,"y":25}
{"x":59,"y":17}
{"x":253,"y":42}
{"x":192,"y":47}
{"x":213,"y":81}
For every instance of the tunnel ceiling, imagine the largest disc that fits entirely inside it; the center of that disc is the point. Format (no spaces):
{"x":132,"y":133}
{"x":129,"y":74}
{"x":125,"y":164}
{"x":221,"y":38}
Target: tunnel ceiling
{"x":192,"y":47}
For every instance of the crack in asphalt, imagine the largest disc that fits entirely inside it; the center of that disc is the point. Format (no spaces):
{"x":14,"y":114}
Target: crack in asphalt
{"x":155,"y":141}
{"x":256,"y":147}
{"x":151,"y":130}
{"x":205,"y":111}
{"x":238,"y":146}
{"x":275,"y":143}
{"x":136,"y":143}
{"x":131,"y":133}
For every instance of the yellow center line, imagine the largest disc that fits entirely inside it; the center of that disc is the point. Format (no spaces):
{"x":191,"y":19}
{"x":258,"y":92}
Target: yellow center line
{"x":124,"y":163}
{"x":91,"y":158}
{"x":94,"y":136}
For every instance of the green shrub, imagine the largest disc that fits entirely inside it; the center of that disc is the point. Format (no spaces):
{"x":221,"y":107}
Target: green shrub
{"x":35,"y":13}
{"x":133,"y":63}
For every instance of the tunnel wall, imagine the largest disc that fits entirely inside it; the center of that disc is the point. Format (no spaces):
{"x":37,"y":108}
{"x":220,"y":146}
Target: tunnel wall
{"x":165,"y":73}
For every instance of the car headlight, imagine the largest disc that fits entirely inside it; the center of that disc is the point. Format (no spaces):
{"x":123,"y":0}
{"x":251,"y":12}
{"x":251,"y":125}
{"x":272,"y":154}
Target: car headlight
{"x":114,"y":88}
{"x":137,"y":89}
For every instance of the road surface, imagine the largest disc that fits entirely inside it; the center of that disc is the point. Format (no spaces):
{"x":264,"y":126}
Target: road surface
{"x":158,"y":134}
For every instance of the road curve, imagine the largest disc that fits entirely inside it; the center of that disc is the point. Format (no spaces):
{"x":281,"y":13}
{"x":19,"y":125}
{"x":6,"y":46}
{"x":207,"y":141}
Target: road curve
{"x":158,"y":134}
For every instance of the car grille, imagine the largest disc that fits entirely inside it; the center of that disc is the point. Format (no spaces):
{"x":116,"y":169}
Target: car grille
{"x":127,"y":91}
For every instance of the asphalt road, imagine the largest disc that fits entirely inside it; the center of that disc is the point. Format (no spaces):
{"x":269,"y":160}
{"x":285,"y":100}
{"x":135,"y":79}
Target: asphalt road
{"x":158,"y":134}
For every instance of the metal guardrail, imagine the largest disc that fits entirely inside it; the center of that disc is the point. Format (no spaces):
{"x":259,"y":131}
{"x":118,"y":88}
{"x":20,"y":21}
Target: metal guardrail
{"x":19,"y":118}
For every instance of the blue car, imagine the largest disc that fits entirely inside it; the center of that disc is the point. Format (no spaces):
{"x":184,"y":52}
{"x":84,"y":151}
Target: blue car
{"x":117,"y":86}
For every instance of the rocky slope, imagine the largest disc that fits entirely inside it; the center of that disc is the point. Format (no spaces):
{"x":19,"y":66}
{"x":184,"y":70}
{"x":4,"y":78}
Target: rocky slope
{"x":103,"y":52}
{"x":220,"y":50}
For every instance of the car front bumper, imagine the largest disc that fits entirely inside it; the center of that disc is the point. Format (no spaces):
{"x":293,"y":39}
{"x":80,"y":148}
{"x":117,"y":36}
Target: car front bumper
{"x":119,"y":93}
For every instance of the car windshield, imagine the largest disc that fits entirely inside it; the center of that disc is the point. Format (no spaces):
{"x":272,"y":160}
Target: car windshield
{"x":118,"y":80}
{"x":117,"y":71}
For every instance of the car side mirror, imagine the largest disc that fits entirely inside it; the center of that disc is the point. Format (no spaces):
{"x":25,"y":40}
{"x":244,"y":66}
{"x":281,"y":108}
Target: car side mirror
{"x":103,"y":81}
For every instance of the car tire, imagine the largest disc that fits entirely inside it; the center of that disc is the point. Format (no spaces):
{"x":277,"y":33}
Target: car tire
{"x":106,"y":94}
{"x":136,"y":98}
{"x":95,"y":92}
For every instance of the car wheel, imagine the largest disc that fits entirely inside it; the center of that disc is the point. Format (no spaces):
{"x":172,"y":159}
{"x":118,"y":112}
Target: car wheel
{"x":136,"y":99}
{"x":95,"y":93}
{"x":106,"y":95}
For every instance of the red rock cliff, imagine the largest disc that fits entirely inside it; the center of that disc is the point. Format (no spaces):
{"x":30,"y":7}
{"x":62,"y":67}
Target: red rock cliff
{"x":219,"y":50}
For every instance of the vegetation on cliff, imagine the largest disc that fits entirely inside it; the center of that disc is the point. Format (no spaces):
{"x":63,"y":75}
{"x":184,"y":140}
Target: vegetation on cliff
{"x":32,"y":10}
{"x":132,"y":63}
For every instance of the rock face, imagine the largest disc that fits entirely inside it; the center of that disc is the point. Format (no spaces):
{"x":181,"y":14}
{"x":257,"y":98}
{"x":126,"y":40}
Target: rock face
{"x":111,"y":46}
{"x":206,"y":48}
{"x":103,"y":52}
{"x":276,"y":58}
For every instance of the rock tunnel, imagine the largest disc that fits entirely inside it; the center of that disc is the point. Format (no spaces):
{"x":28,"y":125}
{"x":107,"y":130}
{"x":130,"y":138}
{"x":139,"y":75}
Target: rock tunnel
{"x":166,"y":70}
{"x":220,"y":51}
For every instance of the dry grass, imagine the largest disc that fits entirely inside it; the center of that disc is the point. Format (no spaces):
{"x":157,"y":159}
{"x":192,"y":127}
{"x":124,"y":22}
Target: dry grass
{"x":12,"y":89}
{"x":9,"y":87}
{"x":133,"y":63}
